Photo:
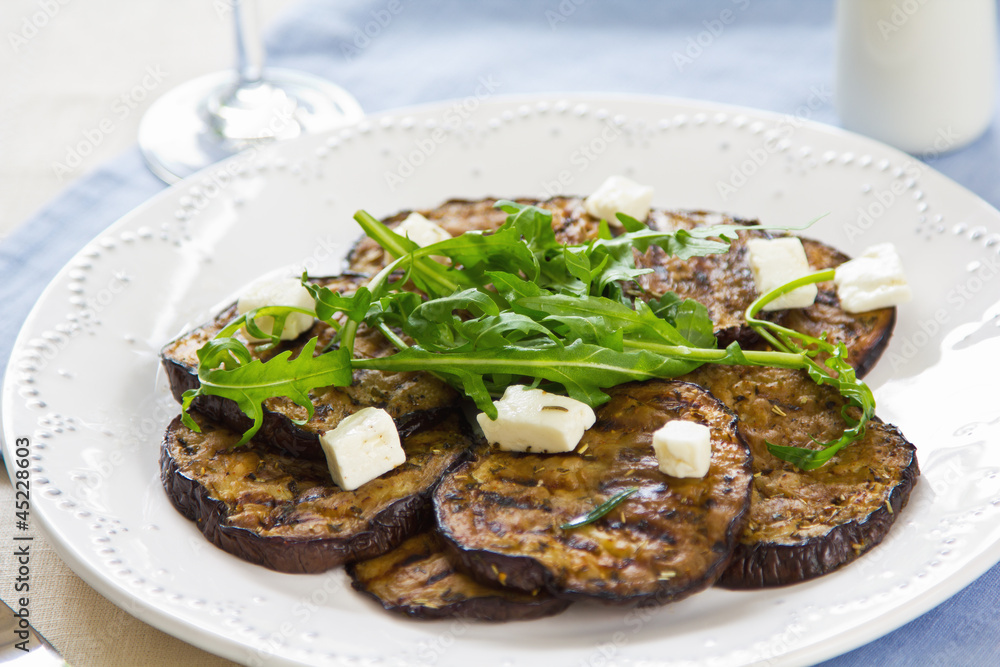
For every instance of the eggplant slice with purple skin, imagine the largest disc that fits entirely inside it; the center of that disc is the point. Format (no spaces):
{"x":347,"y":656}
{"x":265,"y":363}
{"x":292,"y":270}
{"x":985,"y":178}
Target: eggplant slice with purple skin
{"x":420,"y":578}
{"x":286,"y":513}
{"x":502,"y":513}
{"x":806,"y":523}
{"x":411,"y":398}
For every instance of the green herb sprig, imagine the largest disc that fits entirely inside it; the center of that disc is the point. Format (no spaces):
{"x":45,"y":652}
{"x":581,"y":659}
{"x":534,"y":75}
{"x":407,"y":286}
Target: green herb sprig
{"x":250,"y":382}
{"x":826,"y":364}
{"x":601,"y":510}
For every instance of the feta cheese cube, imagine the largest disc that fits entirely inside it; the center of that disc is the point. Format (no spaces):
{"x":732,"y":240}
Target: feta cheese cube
{"x":421,"y":231}
{"x":534,"y":420}
{"x":683,"y":448}
{"x":775,"y":262}
{"x":362,"y":447}
{"x":873,"y":280}
{"x":282,"y":292}
{"x":619,"y":195}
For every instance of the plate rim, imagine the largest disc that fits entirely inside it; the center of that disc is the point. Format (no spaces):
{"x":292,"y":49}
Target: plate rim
{"x":160,"y":617}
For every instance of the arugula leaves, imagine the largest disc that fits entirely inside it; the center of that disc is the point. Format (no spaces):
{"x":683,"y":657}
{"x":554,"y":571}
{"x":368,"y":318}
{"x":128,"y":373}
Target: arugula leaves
{"x":252,"y":381}
{"x":516,"y":304}
{"x":833,"y":370}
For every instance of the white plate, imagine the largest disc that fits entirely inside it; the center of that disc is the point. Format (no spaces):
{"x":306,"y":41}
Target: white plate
{"x":84,"y":383}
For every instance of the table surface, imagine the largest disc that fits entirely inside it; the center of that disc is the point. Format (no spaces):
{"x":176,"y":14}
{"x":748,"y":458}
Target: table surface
{"x":70,"y":69}
{"x":61,"y":79}
{"x":68,"y":65}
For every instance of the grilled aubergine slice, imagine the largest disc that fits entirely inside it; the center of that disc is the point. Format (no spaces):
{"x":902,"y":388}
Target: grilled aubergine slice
{"x":286,"y":513}
{"x":419,"y":578}
{"x":501,"y":513}
{"x":806,"y":523}
{"x":723,"y":283}
{"x":409,"y":397}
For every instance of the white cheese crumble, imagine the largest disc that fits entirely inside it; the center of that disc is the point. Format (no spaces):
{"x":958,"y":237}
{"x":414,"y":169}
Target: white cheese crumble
{"x":873,"y":280}
{"x":683,"y":448}
{"x":775,"y":262}
{"x":619,"y":195}
{"x":362,"y":447}
{"x":421,"y":231}
{"x":534,"y":420}
{"x":281,"y":292}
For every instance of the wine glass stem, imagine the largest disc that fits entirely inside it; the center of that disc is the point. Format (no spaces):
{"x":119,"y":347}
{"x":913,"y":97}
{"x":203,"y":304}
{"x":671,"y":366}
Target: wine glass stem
{"x":249,"y":46}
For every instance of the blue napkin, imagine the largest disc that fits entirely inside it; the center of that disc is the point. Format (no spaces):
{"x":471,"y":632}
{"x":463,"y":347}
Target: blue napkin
{"x":775,"y":55}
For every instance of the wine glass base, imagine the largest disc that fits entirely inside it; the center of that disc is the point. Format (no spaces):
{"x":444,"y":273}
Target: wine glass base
{"x":209,"y":118}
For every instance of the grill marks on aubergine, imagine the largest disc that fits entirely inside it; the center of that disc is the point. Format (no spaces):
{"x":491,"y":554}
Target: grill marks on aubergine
{"x":420,"y":578}
{"x":286,"y":513}
{"x":724,"y":284}
{"x":771,"y":551}
{"x":502,"y":512}
{"x":806,"y":523}
{"x":409,"y":397}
